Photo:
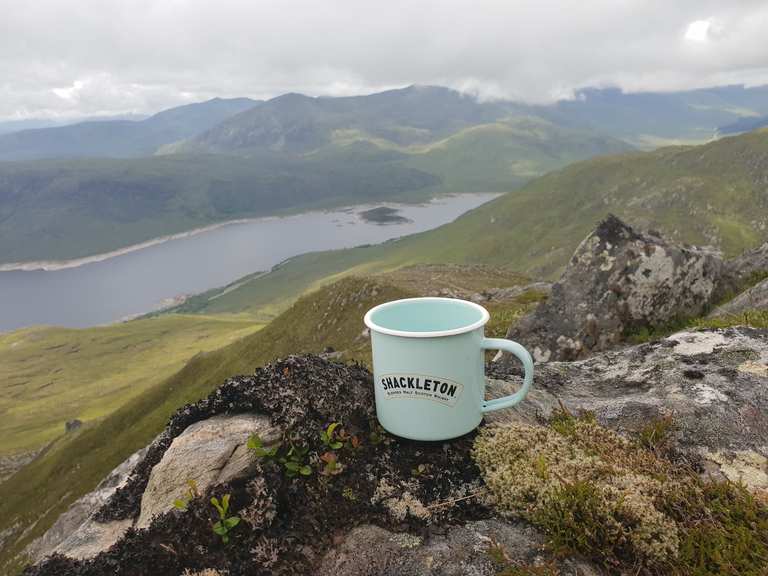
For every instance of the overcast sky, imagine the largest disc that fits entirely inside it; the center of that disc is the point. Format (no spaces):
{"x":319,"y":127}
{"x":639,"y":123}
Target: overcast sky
{"x":86,"y":57}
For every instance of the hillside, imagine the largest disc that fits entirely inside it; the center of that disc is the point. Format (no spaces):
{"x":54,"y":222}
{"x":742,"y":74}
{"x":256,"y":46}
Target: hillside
{"x":331,"y":317}
{"x":120,"y":138}
{"x":744,"y":125}
{"x":61,"y":209}
{"x":712,"y":194}
{"x":58,"y":209}
{"x":50,"y":375}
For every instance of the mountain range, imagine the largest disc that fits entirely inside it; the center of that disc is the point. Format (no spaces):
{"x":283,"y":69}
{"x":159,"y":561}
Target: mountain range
{"x":119,"y":138}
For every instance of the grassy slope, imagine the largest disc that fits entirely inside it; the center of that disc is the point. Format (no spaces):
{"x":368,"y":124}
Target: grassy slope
{"x":707,"y":195}
{"x":497,"y":156}
{"x":331,"y":317}
{"x":51,"y":375}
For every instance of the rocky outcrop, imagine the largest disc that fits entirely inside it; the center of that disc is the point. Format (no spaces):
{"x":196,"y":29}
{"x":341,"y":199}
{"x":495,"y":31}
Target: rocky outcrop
{"x":460,"y":551}
{"x":712,"y":384}
{"x":403,"y":507}
{"x":619,"y":281}
{"x":208,"y":453}
{"x":750,"y":263}
{"x":754,"y":298}
{"x":75,"y":533}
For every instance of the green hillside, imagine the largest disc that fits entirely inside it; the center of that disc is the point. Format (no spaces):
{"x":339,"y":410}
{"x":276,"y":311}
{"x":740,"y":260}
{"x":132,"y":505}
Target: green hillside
{"x":712,"y":194}
{"x":50,"y":375}
{"x":330,"y":317}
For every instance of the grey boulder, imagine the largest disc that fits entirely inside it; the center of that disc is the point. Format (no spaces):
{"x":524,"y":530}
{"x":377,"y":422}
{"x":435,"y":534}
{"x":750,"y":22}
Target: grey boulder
{"x":619,"y":280}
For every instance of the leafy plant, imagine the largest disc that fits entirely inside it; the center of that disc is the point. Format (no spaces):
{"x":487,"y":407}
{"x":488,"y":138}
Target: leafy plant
{"x":190,"y":494}
{"x":331,"y":466}
{"x":226,"y":522}
{"x":294,"y":462}
{"x":256,"y":444}
{"x":329,"y":436}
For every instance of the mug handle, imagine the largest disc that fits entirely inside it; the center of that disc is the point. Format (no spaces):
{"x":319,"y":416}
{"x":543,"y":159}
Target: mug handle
{"x":524,"y":357}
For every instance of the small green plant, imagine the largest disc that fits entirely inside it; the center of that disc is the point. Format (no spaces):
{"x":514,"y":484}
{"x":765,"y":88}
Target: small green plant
{"x":329,"y":436}
{"x":189,"y":495}
{"x":226,"y":522}
{"x":331,"y":466}
{"x":256,"y":444}
{"x":349,"y":494}
{"x":420,"y":470}
{"x":294,"y":462}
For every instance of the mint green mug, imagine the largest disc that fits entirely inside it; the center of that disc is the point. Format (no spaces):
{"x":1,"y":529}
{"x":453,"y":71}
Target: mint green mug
{"x":429,"y":367}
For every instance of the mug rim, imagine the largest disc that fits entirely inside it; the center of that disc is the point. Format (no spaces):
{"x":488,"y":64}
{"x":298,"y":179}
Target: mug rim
{"x":484,"y":317}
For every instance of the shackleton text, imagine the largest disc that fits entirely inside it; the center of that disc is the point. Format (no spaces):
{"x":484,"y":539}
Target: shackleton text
{"x":416,"y":386}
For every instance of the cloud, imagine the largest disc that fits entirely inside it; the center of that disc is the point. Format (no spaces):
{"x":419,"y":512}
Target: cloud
{"x":110,"y":56}
{"x":703,"y":31}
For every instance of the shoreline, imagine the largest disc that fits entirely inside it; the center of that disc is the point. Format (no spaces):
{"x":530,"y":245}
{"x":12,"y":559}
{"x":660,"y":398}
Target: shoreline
{"x":56,"y":265}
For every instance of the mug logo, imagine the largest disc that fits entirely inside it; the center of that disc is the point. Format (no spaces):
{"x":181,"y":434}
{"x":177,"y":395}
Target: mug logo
{"x":419,"y":386}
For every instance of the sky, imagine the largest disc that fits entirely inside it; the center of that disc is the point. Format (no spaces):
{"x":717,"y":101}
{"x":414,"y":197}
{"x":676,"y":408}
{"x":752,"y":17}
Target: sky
{"x":72,"y":58}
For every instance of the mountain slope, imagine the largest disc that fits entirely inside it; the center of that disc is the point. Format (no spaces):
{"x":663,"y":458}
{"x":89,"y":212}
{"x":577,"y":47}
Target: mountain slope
{"x":120,"y":138}
{"x":59,"y":209}
{"x":299,"y":124}
{"x":713,"y":194}
{"x":31,"y":500}
{"x":50,"y":375}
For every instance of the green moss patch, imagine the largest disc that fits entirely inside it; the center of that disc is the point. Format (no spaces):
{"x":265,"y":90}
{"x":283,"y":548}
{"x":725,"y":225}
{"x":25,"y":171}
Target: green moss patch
{"x":595,"y":493}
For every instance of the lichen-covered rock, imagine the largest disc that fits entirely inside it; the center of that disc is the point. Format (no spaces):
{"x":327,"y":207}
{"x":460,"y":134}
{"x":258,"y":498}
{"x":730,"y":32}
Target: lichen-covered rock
{"x":210,"y":452}
{"x":461,"y":551}
{"x":75,"y":533}
{"x":749,"y":263}
{"x":754,"y":298}
{"x":618,"y":281}
{"x":712,"y":383}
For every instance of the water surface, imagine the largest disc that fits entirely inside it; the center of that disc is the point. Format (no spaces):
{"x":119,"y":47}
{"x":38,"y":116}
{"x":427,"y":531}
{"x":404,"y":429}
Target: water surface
{"x":141,"y":281}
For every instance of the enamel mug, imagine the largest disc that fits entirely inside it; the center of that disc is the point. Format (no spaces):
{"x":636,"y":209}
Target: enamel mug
{"x":429,"y":367}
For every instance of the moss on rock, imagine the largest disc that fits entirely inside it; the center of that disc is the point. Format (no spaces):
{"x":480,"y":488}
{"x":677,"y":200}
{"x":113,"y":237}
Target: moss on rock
{"x":599,"y":494}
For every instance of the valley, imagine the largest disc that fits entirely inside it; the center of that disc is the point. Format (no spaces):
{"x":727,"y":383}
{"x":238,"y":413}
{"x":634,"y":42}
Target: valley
{"x":708,"y":195}
{"x":306,"y":167}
